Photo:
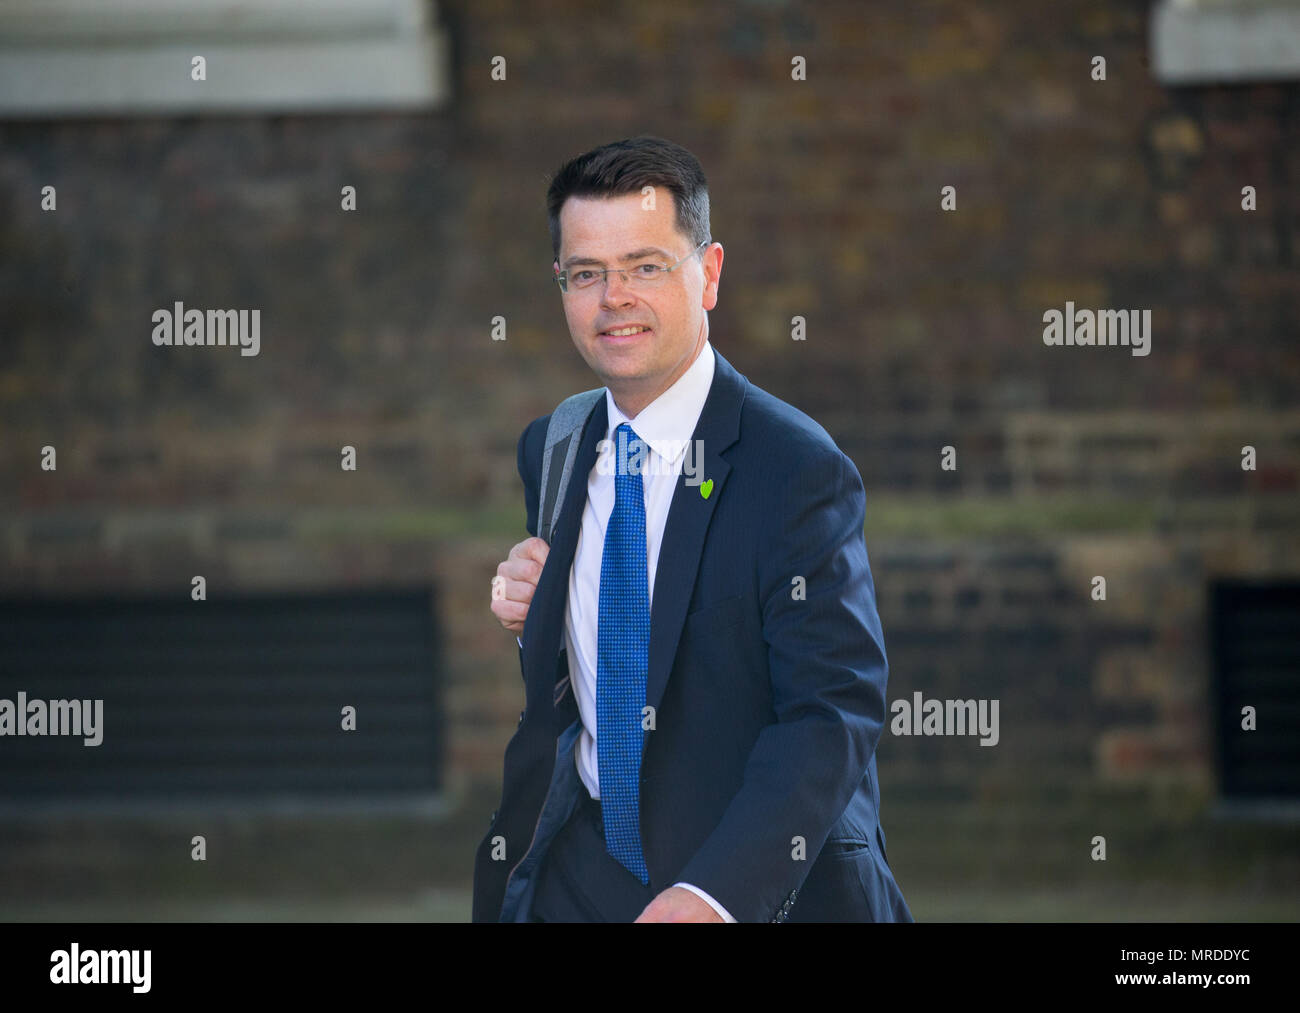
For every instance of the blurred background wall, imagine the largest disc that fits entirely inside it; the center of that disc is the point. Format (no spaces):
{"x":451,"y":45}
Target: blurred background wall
{"x":924,"y":330}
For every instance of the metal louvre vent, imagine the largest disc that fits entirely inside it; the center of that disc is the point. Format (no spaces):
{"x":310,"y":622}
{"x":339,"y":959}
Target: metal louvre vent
{"x":1256,"y":654}
{"x":231,"y":700}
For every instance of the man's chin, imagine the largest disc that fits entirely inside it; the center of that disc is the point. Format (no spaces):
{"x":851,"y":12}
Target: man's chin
{"x":618,"y":367}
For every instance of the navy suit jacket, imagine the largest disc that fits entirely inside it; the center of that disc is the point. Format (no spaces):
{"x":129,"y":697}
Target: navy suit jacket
{"x":758,"y":782}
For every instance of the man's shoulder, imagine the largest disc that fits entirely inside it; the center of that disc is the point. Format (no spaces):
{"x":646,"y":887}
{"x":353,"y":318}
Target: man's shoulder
{"x":534,"y":435}
{"x":570,"y":413}
{"x":536,"y":429}
{"x":767,"y":422}
{"x":780,"y":429}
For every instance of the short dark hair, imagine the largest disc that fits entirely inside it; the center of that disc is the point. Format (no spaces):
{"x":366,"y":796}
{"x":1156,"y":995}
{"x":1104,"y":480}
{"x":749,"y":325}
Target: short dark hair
{"x":624,"y":167}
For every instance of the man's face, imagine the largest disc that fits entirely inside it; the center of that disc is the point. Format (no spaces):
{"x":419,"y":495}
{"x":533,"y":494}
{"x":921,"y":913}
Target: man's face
{"x":599,"y":233}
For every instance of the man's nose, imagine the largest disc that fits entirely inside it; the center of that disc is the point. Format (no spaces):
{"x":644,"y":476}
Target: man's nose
{"x":618,"y":290}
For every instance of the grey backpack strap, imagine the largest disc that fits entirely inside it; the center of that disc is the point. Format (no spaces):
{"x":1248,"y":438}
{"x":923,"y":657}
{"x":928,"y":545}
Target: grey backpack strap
{"x":563,"y":437}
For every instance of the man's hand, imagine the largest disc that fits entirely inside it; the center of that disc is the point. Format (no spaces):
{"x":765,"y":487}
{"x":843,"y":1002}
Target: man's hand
{"x":677,"y":904}
{"x":515,"y":582}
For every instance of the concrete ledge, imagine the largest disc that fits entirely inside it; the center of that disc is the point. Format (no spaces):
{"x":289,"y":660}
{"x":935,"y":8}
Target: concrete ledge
{"x":1209,"y":41}
{"x":62,"y":58}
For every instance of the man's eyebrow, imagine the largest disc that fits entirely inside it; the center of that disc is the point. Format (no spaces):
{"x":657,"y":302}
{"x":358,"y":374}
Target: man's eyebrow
{"x":645,"y":251}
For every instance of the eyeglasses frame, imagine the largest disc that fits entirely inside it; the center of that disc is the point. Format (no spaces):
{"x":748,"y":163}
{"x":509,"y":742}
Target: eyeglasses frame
{"x":562,"y":277}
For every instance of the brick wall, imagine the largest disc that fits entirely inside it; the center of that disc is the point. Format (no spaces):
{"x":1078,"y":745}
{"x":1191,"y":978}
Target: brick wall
{"x":924,"y":330}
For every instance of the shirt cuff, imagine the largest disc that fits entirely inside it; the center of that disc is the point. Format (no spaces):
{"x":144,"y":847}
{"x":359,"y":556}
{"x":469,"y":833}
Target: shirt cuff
{"x":723,"y":913}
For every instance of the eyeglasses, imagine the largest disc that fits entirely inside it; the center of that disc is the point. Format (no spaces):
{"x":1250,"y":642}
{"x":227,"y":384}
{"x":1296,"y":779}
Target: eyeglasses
{"x":645,"y":275}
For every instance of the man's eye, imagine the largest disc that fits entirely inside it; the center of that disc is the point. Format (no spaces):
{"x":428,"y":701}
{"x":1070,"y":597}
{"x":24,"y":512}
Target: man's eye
{"x":649,"y":270}
{"x":584,"y":275}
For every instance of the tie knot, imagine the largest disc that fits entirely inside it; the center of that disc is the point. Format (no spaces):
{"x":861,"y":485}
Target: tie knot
{"x":632,"y":451}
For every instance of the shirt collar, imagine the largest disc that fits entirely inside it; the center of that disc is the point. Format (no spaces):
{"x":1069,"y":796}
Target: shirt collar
{"x":667,"y":423}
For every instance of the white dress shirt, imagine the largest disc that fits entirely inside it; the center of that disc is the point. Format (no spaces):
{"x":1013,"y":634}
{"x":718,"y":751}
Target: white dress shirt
{"x":666,"y":426}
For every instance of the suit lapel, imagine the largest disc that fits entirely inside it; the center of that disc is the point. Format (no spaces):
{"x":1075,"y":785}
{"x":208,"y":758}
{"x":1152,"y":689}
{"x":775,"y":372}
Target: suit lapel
{"x":688,"y":522}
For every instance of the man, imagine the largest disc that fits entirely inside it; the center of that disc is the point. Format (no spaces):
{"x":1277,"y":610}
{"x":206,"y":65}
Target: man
{"x":703,"y":662}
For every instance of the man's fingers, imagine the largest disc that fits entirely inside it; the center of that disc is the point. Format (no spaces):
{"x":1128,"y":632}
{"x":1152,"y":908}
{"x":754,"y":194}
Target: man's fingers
{"x":503,"y":588}
{"x":511,"y":613}
{"x":515,"y":582}
{"x":520,"y":569}
{"x":534,"y":548}
{"x":525,"y":561}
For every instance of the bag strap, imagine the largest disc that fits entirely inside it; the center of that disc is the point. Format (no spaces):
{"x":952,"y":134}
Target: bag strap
{"x":563,"y":437}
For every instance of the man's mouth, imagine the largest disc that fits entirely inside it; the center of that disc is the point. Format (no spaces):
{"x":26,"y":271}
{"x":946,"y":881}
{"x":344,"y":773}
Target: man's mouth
{"x":624,"y":332}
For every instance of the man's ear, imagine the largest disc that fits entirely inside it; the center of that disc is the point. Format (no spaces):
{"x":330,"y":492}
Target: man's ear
{"x":712,"y":259}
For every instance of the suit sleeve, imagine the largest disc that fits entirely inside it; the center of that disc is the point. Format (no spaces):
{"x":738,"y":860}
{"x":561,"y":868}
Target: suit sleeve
{"x":528,"y":460}
{"x":828,"y":669}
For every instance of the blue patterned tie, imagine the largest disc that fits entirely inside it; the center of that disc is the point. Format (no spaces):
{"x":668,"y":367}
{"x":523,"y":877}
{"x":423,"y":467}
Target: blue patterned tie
{"x":622,"y":657}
